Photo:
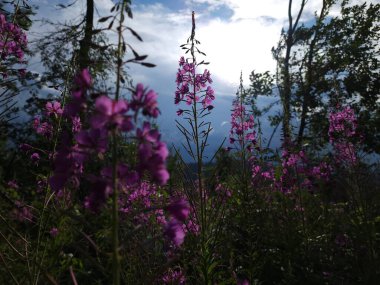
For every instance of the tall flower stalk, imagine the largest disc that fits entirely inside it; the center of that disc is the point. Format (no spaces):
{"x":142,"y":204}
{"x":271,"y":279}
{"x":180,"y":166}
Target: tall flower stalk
{"x":242,"y":135}
{"x":115,"y":194}
{"x":194,"y":90}
{"x":342,"y":131}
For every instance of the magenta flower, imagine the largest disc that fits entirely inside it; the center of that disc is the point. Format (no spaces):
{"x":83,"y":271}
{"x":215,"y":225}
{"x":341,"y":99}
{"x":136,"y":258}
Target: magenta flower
{"x":44,"y":129}
{"x":242,"y":126}
{"x":208,"y":98}
{"x":92,"y":140}
{"x":152,"y":153}
{"x":242,"y":282}
{"x":76,"y":124}
{"x":342,"y":132}
{"x":58,"y":181}
{"x":147,"y":101}
{"x":174,"y":277}
{"x":179,"y":209}
{"x":174,"y":231}
{"x":181,"y":61}
{"x":22,"y":72}
{"x":100,"y":191}
{"x":110,"y":114}
{"x":187,"y":80}
{"x":22,"y":212}
{"x":13,"y":184}
{"x":12,"y":40}
{"x":126,"y":176}
{"x":53,"y":232}
{"x":83,"y":82}
{"x":25,"y":147}
{"x":35,"y":157}
{"x":53,"y":108}
{"x":68,"y":164}
{"x":83,"y":79}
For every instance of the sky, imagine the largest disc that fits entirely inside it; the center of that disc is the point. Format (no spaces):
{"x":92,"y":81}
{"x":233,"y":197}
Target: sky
{"x":236,"y":35}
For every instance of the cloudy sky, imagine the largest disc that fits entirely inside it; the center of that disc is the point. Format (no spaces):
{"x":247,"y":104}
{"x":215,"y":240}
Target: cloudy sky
{"x":236,"y":35}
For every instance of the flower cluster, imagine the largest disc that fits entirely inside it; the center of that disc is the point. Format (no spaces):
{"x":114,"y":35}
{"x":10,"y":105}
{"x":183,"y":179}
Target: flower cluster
{"x":342,"y":131}
{"x":173,"y":277}
{"x":22,"y":212}
{"x":107,"y":116}
{"x":12,"y":39}
{"x":265,"y":172}
{"x":190,"y":84}
{"x":77,"y":104}
{"x":296,"y":171}
{"x":147,"y":101}
{"x":179,"y":210}
{"x":242,"y":127}
{"x":53,"y":108}
{"x":42,"y":128}
{"x":139,"y":196}
{"x":152,"y":153}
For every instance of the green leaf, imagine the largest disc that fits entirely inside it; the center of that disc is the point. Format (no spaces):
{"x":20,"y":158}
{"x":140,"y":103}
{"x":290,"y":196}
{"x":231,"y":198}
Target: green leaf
{"x":135,"y":34}
{"x":101,"y":20}
{"x":147,"y":64}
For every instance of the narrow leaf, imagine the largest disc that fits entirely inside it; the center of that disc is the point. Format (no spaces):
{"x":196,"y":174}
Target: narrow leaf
{"x":147,"y":64}
{"x":104,"y":19}
{"x":135,"y":34}
{"x":110,"y":25}
{"x":141,"y":57}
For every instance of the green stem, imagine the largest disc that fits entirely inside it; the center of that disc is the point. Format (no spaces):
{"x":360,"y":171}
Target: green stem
{"x":199,"y":160}
{"x":115,"y":210}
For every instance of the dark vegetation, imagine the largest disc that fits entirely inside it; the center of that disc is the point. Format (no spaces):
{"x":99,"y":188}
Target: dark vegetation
{"x":90,"y":194}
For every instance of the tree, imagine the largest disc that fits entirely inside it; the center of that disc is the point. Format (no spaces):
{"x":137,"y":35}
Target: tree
{"x":289,"y":39}
{"x":334,"y":61}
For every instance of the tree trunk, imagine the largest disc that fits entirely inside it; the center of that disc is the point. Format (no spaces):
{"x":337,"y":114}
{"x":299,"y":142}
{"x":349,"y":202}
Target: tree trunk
{"x":85,"y":43}
{"x":287,"y":85}
{"x":309,"y":75}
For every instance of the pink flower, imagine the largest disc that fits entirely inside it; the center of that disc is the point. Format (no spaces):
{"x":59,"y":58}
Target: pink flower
{"x":242,"y":126}
{"x":35,"y":157}
{"x":147,"y":101}
{"x":54,"y":108}
{"x":83,"y":79}
{"x":181,"y":61}
{"x":174,"y":231}
{"x":100,"y":191}
{"x":53,"y":232}
{"x":12,"y":40}
{"x":13,"y":184}
{"x":342,"y":131}
{"x":152,"y":153}
{"x":22,"y":212}
{"x":174,"y":277}
{"x":188,"y":83}
{"x":25,"y":147}
{"x":110,"y":114}
{"x":242,"y":282}
{"x":92,"y":140}
{"x":179,"y":209}
{"x":76,"y":124}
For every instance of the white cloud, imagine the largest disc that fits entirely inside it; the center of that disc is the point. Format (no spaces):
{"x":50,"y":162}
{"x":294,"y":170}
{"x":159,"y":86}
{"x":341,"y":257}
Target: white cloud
{"x":242,"y":42}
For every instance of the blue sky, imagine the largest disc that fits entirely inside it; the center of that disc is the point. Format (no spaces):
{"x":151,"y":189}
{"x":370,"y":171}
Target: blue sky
{"x":236,"y":35}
